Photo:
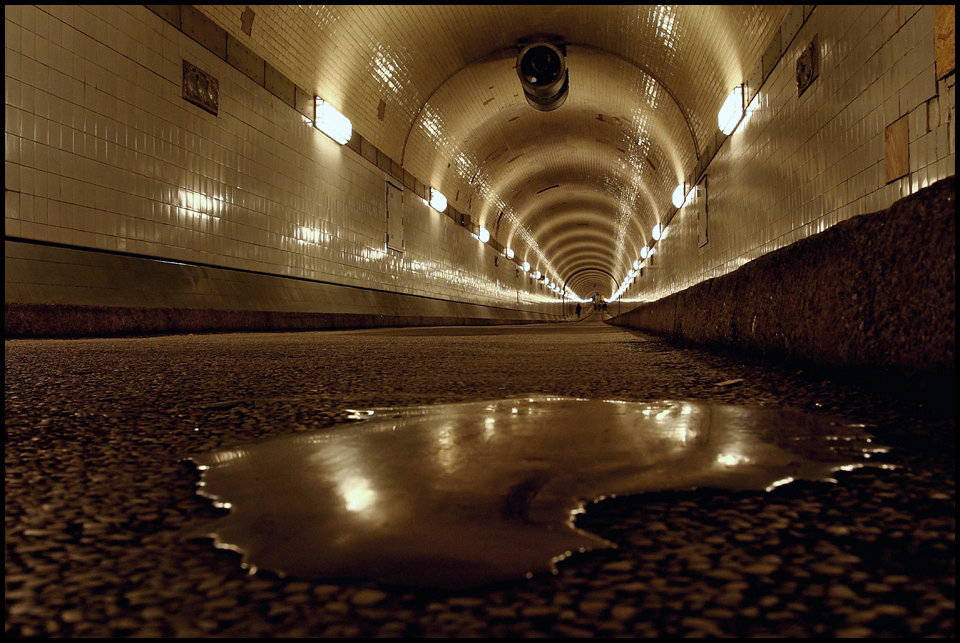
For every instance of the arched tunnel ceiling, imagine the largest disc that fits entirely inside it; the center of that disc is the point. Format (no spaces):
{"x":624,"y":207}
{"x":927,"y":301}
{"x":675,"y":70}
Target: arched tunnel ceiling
{"x":580,"y":187}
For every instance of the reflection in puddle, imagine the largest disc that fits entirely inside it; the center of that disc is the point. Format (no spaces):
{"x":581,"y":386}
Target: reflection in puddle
{"x":464,"y":494}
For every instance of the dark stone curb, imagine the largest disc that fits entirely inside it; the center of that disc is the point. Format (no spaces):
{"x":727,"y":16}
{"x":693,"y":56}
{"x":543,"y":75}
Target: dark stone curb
{"x":876,"y":290}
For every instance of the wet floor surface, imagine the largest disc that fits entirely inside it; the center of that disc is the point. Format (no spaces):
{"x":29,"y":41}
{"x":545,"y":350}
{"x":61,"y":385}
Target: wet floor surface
{"x":461,"y":495}
{"x":99,"y":495}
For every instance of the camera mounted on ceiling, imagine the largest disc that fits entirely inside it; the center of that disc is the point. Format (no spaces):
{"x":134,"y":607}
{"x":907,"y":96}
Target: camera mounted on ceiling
{"x":542,"y":68}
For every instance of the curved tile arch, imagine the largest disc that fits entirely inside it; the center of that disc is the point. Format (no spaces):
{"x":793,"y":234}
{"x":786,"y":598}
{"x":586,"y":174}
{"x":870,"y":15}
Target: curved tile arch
{"x":572,"y":238}
{"x":660,"y":83}
{"x":509,"y":53}
{"x":548,"y":167}
{"x":556,"y":222}
{"x":574,"y":200}
{"x":483,"y":139}
{"x":583,"y":279}
{"x":587,"y":148}
{"x":591,"y":250}
{"x":578,"y":238}
{"x":407,"y":58}
{"x":585,"y":258}
{"x":577,"y":234}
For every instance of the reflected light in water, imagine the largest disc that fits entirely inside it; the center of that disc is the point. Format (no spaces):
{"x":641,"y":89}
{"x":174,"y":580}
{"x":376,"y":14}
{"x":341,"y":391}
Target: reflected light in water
{"x":461,"y":495}
{"x":357,"y":494}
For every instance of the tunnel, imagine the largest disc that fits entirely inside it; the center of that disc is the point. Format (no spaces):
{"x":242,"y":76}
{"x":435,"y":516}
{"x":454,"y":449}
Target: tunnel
{"x":228,"y":223}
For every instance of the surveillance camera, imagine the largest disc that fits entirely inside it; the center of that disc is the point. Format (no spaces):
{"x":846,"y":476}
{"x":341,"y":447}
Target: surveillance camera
{"x":542,"y":69}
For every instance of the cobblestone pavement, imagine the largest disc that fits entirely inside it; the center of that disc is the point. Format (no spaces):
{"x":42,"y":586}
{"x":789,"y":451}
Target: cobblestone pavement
{"x":98,"y":495}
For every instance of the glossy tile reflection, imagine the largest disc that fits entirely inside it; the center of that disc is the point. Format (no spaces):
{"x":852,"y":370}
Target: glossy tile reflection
{"x":464,"y":494}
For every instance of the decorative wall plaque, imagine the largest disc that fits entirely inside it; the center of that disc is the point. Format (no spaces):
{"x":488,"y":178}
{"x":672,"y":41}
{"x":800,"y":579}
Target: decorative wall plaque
{"x":201,"y":89}
{"x":808,"y":66}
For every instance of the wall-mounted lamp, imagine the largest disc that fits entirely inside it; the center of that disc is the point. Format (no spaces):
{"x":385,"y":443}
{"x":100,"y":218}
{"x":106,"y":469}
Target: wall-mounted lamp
{"x":537,"y":275}
{"x":644,"y":252}
{"x":509,"y":253}
{"x":679,"y":197}
{"x":526,"y":266}
{"x":483,"y":234}
{"x":732,"y":111}
{"x":657,"y":232}
{"x":437,"y":201}
{"x":333,"y":123}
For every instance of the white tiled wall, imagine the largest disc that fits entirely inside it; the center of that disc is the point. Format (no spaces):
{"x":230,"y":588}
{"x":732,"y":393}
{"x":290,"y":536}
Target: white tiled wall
{"x":797,"y":166}
{"x":103,"y":152}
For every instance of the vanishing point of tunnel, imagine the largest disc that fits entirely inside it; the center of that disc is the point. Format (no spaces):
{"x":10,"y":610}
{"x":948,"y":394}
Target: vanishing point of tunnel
{"x":480,"y":320}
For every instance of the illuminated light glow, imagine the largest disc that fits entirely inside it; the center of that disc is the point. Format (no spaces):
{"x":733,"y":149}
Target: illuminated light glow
{"x":437,"y":201}
{"x":644,"y":252}
{"x":199,"y":204}
{"x":752,"y":107}
{"x":536,"y":274}
{"x":732,"y":111}
{"x":636,"y":264}
{"x":657,"y":232}
{"x":509,"y":253}
{"x":357,"y":494}
{"x":526,"y":266}
{"x":333,"y":123}
{"x":483,"y":234}
{"x":679,"y":196}
{"x":780,"y":483}
{"x":731,"y":459}
{"x":309,"y":235}
{"x":489,"y":427}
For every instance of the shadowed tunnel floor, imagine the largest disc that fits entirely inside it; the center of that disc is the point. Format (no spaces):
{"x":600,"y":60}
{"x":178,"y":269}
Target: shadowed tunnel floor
{"x":98,"y":496}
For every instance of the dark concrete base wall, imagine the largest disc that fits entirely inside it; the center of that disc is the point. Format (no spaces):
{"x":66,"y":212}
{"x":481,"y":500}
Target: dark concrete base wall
{"x":874,"y":291}
{"x":54,"y":320}
{"x":59,"y":291}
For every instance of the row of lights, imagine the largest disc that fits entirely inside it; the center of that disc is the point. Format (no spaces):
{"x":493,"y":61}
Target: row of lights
{"x":439,"y":203}
{"x":731,"y":114}
{"x":645,"y":253}
{"x":339,"y":128}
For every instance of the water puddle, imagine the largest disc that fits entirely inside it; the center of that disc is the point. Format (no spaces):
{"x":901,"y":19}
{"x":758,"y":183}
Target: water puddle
{"x":461,"y":495}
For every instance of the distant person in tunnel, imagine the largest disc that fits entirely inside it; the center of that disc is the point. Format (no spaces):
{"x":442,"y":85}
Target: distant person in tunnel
{"x":578,"y":310}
